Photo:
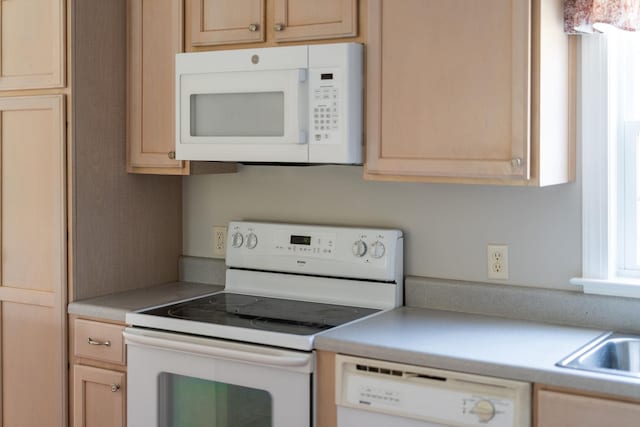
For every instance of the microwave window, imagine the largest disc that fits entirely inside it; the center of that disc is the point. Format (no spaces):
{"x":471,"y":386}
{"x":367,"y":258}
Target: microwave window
{"x":256,"y":114}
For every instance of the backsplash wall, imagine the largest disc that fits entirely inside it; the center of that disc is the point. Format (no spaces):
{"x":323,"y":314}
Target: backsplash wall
{"x":447,"y":226}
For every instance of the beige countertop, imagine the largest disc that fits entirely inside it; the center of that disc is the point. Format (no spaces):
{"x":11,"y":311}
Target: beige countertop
{"x":116,"y":306}
{"x":478,"y":344}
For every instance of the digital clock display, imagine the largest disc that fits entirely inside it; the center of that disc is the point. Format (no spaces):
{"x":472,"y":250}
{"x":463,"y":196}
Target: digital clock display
{"x":300,"y":240}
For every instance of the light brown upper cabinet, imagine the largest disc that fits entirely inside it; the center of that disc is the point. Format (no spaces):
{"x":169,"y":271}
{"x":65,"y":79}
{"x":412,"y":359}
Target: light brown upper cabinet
{"x":475,"y":92}
{"x":154,"y":36}
{"x":226,"y":21}
{"x":222,"y":22}
{"x":32,"y":36}
{"x":312,"y":19}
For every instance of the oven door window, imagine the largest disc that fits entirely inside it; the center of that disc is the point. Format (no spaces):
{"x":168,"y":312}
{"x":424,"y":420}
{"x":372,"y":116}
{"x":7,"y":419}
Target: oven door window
{"x":195,"y":402}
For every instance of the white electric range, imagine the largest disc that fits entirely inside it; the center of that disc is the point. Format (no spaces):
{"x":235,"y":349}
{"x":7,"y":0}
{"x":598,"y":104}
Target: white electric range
{"x":244,"y":357}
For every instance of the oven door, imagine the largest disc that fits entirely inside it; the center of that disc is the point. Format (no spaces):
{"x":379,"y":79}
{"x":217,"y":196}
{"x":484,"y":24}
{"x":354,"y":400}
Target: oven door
{"x":179,"y":380}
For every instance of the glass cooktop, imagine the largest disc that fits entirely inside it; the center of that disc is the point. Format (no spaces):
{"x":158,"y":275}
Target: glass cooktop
{"x":269,"y":314}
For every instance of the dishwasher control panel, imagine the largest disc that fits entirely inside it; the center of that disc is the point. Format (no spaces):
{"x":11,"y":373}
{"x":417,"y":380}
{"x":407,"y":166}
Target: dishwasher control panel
{"x":373,"y":391}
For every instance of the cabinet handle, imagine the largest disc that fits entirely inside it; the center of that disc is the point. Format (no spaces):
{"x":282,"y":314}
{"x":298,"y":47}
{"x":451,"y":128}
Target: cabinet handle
{"x":115,"y":387}
{"x":94,"y":342}
{"x":254,"y":27}
{"x":516,"y":162}
{"x":172,"y":155}
{"x":278,"y":27}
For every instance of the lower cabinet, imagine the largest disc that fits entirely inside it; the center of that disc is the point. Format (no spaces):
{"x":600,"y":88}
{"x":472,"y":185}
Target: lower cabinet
{"x":562,"y":408}
{"x":99,"y":397}
{"x":326,"y":410}
{"x":98,"y":374}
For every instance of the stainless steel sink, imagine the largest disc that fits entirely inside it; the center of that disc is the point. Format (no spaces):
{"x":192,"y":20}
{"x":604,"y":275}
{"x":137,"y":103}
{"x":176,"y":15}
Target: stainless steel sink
{"x":617,"y":354}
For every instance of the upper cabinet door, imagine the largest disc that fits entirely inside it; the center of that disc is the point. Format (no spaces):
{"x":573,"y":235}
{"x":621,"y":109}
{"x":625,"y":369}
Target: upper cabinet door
{"x":312,"y":19}
{"x":216,"y":22}
{"x":154,"y":37}
{"x":32,"y":40}
{"x":448,"y":89}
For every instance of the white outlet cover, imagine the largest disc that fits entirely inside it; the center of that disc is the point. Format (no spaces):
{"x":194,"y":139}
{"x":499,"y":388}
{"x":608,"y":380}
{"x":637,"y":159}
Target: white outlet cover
{"x":498,"y":262}
{"x":219,"y":241}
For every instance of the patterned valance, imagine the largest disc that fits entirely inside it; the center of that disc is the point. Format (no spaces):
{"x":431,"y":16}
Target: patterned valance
{"x":581,"y":15}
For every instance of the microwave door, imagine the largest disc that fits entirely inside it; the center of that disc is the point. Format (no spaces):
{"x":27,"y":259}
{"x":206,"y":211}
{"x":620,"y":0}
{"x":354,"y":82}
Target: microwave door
{"x":243,"y":116}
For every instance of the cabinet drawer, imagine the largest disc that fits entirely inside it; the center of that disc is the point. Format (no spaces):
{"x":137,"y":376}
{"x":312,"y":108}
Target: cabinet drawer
{"x":99,"y":341}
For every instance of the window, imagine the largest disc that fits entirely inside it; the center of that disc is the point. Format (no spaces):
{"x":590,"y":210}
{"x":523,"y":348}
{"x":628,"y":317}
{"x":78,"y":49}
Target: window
{"x":610,"y":119}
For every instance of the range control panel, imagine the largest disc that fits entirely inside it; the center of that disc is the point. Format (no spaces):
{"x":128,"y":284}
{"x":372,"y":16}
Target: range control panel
{"x":312,"y":244}
{"x":331,"y":251}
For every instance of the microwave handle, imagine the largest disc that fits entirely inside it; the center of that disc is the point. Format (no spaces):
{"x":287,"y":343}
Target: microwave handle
{"x":220,"y":349}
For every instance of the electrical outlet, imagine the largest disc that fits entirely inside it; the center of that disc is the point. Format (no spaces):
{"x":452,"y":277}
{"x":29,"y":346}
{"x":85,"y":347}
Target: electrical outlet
{"x":498,"y":262}
{"x":219,"y":241}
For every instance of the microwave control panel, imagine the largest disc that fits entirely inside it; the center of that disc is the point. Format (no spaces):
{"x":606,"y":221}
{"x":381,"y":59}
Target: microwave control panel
{"x":325,"y":106}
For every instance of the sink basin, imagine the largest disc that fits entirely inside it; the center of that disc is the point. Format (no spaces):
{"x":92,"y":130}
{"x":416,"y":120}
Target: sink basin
{"x":616,"y":354}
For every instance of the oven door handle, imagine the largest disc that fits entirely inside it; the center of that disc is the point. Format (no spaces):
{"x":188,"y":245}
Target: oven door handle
{"x":223,"y":349}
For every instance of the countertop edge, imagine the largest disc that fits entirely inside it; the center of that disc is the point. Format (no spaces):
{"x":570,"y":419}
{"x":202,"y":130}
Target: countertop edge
{"x":114,"y":307}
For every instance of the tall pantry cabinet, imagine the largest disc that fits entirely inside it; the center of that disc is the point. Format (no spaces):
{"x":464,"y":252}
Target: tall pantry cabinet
{"x":73,"y":223}
{"x":33,"y":277}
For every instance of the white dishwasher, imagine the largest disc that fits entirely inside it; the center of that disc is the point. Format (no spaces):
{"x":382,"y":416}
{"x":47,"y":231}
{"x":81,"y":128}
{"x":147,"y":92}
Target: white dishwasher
{"x":374,"y":393}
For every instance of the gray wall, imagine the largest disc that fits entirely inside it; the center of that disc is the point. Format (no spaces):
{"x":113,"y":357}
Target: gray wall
{"x":447,"y":226}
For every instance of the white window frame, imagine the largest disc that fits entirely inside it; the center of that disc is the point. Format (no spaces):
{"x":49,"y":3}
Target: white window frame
{"x":628,"y":265}
{"x":604,"y":272}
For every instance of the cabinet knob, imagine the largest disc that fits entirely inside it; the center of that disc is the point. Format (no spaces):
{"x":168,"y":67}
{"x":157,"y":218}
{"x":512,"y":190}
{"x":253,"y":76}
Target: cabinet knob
{"x":95,"y":342}
{"x":516,"y":162}
{"x":115,"y":388}
{"x":278,"y":27}
{"x":172,"y":155}
{"x":254,"y":27}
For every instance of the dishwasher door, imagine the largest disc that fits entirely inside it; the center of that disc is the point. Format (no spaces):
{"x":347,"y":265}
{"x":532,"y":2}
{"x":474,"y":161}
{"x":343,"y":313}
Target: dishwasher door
{"x":374,"y":393}
{"x":361,"y":418}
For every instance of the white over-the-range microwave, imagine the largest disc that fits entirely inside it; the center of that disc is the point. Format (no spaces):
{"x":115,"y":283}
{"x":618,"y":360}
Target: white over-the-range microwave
{"x":294,"y":104}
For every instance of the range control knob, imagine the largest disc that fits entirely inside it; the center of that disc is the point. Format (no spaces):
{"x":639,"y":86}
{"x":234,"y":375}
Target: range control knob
{"x":378,"y":249}
{"x":252,"y":240}
{"x":359,"y":248}
{"x":484,"y":410}
{"x":237,"y":240}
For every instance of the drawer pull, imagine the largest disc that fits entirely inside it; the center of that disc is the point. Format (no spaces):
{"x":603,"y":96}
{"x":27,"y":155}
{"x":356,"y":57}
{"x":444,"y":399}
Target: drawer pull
{"x":115,"y":387}
{"x":94,"y":342}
